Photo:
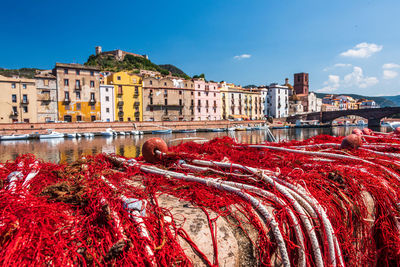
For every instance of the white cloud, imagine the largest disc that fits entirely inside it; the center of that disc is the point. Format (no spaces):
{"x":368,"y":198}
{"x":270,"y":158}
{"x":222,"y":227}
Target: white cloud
{"x":354,"y":79}
{"x":332,"y":84}
{"x":362,"y":50}
{"x":389,"y":74}
{"x":342,"y":65}
{"x":337,"y":65}
{"x":390,"y":66}
{"x":243,"y":56}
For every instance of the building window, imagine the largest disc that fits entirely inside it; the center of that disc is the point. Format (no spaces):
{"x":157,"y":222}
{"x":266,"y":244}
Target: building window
{"x":92,"y":118}
{"x":24,"y":86}
{"x":14,"y":98}
{"x":92,"y":84}
{"x":25,"y":108}
{"x":118,"y":78}
{"x":180,"y":92}
{"x":165,"y":84}
{"x":78,"y":95}
{"x":198,"y":86}
{"x":215,"y":94}
{"x":13,"y":86}
{"x":199,"y":102}
{"x":199,"y":94}
{"x":107,"y":98}
{"x":180,"y":102}
{"x":77,"y":84}
{"x":15,"y":110}
{"x":25,"y":98}
{"x":46,"y":82}
{"x":192,"y":102}
{"x":191,"y":93}
{"x":92,"y":96}
{"x":78,"y":118}
{"x":151,"y":101}
{"x":26,"y":120}
{"x":107,"y":90}
{"x":78,"y":72}
{"x":92,"y":107}
{"x":166,"y":101}
{"x":151,"y":82}
{"x":91,"y":73}
{"x":65,"y":71}
{"x":66,"y":82}
{"x":108,"y":110}
{"x":66,"y":95}
{"x":78,"y":106}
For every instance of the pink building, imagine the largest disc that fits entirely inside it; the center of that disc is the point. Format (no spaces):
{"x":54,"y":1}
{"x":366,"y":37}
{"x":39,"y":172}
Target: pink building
{"x":207,"y":100}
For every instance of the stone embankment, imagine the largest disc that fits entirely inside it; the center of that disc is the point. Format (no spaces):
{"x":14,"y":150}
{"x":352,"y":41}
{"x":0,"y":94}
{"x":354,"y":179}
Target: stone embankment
{"x":82,"y":127}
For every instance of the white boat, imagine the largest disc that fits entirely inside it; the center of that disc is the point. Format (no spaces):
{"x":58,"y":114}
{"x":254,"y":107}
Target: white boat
{"x":51,"y":134}
{"x":70,"y":135}
{"x":14,"y":137}
{"x":394,"y":124}
{"x":136,"y":132}
{"x":108,"y":132}
{"x":122,"y":133}
{"x":88,"y":135}
{"x":231,"y":128}
{"x":78,"y":135}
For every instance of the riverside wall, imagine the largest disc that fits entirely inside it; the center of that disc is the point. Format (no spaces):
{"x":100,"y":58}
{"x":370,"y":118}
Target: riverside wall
{"x":82,"y":127}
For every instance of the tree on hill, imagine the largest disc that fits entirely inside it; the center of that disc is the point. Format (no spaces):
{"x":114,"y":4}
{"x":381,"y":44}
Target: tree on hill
{"x":199,"y":76}
{"x":22,"y":72}
{"x":175,"y":71}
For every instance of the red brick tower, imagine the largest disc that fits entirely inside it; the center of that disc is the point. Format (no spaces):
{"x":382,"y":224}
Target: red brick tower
{"x":301,"y":83}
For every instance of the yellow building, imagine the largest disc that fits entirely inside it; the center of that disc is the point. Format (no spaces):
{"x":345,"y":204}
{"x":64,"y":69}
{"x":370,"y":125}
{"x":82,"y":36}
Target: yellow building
{"x":18,"y":100}
{"x":78,"y":92}
{"x":128,"y":96}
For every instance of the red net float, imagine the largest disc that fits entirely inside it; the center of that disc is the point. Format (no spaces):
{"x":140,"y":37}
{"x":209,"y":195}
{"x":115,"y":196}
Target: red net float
{"x":367,"y":131}
{"x":352,"y":141}
{"x":357,"y":132}
{"x":151,"y":146}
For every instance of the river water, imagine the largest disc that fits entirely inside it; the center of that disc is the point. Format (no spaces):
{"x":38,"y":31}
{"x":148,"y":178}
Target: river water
{"x":67,"y":150}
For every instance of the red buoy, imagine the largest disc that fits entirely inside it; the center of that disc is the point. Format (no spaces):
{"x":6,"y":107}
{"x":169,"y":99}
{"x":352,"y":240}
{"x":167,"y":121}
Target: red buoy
{"x":367,"y":131}
{"x":150,"y":147}
{"x":357,"y":132}
{"x":397,"y":130}
{"x":352,"y":141}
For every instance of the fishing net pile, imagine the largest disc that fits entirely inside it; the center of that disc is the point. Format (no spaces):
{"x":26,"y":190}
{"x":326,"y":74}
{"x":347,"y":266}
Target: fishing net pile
{"x":317,"y":202}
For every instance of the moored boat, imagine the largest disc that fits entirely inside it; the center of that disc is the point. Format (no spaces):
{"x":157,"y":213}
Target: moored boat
{"x":108,"y":132}
{"x":166,"y":131}
{"x":51,"y":134}
{"x":14,"y":137}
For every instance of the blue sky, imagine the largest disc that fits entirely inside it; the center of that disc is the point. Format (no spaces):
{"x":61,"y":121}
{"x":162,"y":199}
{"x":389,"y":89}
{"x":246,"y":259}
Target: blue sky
{"x":346,"y":46}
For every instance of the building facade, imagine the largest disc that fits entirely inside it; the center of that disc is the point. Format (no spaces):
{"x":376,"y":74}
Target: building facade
{"x":107,"y":103}
{"x":278,"y":101}
{"x":18,"y":100}
{"x":46,"y":85}
{"x":207,"y":100}
{"x":168,"y":99}
{"x":128,"y":92}
{"x":77,"y":92}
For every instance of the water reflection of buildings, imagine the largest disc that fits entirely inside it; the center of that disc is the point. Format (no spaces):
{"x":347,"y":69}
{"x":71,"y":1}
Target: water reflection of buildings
{"x":67,"y":150}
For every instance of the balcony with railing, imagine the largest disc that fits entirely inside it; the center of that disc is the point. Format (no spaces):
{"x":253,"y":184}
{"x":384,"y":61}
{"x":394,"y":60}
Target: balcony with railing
{"x":92,"y":101}
{"x":78,"y":87}
{"x":45,"y":97}
{"x":66,"y":100}
{"x":24,"y":102}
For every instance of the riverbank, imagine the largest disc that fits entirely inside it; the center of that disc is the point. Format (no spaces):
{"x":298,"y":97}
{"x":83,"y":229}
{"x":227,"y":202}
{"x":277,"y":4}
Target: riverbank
{"x":93,"y":127}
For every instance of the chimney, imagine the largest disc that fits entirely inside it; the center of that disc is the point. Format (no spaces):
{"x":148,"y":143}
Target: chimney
{"x":286,"y":81}
{"x":98,"y":50}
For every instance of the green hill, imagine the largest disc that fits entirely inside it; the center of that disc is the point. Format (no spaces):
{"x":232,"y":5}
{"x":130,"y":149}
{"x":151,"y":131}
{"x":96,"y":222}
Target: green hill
{"x":109,"y":63}
{"x":382,"y":101}
{"x":174,"y":71}
{"x":22,"y":72}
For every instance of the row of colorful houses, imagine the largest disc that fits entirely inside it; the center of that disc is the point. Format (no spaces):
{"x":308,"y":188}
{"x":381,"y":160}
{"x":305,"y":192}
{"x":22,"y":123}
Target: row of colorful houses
{"x":74,"y":92}
{"x":344,"y":102}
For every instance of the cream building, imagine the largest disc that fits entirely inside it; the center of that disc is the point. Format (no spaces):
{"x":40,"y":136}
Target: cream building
{"x":46,"y":86}
{"x":18,"y":98}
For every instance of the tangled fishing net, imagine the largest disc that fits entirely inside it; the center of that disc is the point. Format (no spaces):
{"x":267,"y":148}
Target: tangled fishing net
{"x":298,"y":203}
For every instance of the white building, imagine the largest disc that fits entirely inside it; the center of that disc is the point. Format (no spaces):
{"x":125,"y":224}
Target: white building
{"x":264,"y":101}
{"x":314,"y":103}
{"x":278,"y":101}
{"x":107,"y":103}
